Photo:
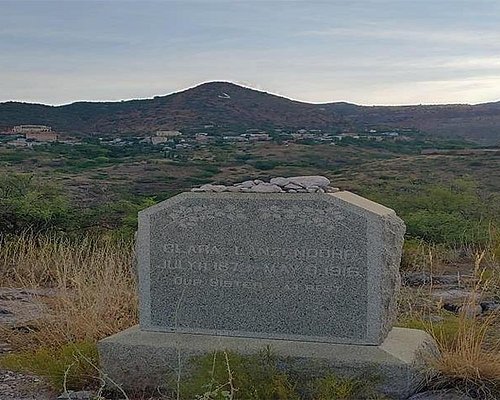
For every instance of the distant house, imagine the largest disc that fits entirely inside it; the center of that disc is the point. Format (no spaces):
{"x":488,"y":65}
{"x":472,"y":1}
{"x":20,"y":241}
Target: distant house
{"x":259,"y":136}
{"x":234,"y":138}
{"x":202,"y":137}
{"x":22,"y":142}
{"x":23,"y":129}
{"x":166,"y":133}
{"x":159,"y":139}
{"x":392,"y":133}
{"x":39,"y":133}
{"x":41,"y":136}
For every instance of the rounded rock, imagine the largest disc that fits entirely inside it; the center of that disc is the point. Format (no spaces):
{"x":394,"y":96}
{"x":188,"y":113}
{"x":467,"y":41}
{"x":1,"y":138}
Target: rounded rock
{"x":246,"y":184}
{"x":280,"y":181}
{"x":488,"y":306}
{"x":310,"y":180}
{"x":293,"y":186}
{"x":266,"y":188}
{"x":213,"y":188}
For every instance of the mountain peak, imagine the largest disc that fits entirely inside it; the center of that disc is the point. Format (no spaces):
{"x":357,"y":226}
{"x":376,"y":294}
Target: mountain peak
{"x":232,"y":107}
{"x":213,"y":87}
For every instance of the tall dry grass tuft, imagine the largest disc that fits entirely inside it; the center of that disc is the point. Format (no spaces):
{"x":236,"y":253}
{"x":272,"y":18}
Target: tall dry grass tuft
{"x":91,"y":280}
{"x":470,"y":358}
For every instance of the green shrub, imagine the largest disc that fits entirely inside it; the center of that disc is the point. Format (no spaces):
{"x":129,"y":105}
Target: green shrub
{"x":264,"y":376}
{"x":266,"y":165}
{"x":28,"y":203}
{"x":455,"y":214}
{"x":440,"y":227}
{"x":446,"y":330}
{"x":119,"y":216}
{"x":252,"y":377}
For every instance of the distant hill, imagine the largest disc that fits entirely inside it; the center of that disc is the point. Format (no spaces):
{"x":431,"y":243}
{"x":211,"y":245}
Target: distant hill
{"x":231,"y":106}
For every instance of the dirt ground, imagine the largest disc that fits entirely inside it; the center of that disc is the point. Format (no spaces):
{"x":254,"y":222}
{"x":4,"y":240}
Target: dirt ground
{"x":18,"y":307}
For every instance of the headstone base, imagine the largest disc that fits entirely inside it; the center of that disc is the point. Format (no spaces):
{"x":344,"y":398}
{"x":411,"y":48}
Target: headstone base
{"x":138,"y":360}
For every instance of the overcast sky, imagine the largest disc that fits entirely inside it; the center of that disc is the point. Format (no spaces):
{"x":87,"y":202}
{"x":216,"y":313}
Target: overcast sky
{"x":366,"y":52}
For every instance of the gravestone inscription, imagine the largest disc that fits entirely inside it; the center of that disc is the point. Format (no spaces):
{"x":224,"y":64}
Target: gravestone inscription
{"x":309,"y":267}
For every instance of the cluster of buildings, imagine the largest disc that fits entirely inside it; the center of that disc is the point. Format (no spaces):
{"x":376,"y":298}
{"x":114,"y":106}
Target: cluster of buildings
{"x":174,"y":139}
{"x":168,"y":139}
{"x":163,"y":136}
{"x":30,"y":135}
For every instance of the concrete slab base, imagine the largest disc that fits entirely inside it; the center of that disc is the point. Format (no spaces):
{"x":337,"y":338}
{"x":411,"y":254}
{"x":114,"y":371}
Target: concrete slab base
{"x":138,"y":360}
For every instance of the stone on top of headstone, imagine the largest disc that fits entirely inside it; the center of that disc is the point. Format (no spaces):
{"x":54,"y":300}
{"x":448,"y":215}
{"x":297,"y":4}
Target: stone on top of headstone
{"x":280,"y":181}
{"x":292,"y":186}
{"x":266,"y":188}
{"x":246,"y":184}
{"x":296,"y":184}
{"x":213,"y":188}
{"x":307,"y":181}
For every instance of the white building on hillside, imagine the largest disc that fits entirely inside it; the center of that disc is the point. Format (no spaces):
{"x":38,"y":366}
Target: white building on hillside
{"x":165,"y":133}
{"x":22,"y":129}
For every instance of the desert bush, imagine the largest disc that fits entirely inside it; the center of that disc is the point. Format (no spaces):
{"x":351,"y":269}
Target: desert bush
{"x":265,"y":165}
{"x":28,"y":203}
{"x":118,"y":219}
{"x":455,"y":214}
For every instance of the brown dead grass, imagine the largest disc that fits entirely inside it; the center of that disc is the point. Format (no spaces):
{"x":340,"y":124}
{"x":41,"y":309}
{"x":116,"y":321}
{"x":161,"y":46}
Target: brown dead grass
{"x":470,"y":356}
{"x":93,"y":280}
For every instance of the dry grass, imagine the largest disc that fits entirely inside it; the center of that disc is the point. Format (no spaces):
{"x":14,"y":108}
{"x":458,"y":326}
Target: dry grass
{"x":468,"y":342}
{"x":93,"y":283}
{"x":472,"y":358}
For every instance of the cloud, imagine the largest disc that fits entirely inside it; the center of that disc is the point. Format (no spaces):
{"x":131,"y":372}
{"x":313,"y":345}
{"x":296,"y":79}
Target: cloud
{"x":359,"y":51}
{"x":409,"y":34}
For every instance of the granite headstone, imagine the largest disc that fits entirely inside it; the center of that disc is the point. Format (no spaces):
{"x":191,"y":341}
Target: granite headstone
{"x":312,"y":267}
{"x":312,"y":276}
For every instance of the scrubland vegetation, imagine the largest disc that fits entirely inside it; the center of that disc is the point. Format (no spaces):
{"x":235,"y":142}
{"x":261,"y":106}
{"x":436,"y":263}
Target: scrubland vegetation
{"x":68,"y":237}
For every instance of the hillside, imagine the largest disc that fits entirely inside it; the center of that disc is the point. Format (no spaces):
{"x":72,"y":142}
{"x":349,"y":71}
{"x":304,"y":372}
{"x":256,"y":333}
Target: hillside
{"x":230,"y":106}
